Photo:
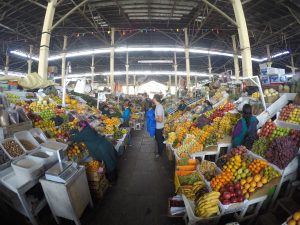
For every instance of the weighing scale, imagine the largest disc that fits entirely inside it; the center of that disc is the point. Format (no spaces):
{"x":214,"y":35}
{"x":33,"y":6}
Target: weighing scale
{"x":62,"y":171}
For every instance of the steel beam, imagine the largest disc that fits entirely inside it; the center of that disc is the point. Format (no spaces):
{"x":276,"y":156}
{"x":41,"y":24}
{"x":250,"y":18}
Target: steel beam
{"x":45,"y":39}
{"x":220,"y":12}
{"x":187,"y":59}
{"x":235,"y":58}
{"x":68,"y":13}
{"x":175,"y":72}
{"x":37,"y":3}
{"x":209,"y":67}
{"x":243,"y":37}
{"x":127,"y":74}
{"x":93,"y":69}
{"x":29,"y":61}
{"x":16,"y":32}
{"x":112,"y":59}
{"x":63,"y":70}
{"x":6,"y":67}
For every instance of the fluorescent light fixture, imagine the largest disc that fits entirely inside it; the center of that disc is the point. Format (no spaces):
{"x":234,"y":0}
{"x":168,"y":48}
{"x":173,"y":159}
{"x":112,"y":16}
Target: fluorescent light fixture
{"x":156,"y":61}
{"x":24,"y":55}
{"x":137,"y":72}
{"x":13,"y":73}
{"x":144,"y":49}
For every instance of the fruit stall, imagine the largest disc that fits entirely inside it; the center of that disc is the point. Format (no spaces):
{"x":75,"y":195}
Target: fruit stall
{"x":35,"y":136}
{"x":214,"y":181}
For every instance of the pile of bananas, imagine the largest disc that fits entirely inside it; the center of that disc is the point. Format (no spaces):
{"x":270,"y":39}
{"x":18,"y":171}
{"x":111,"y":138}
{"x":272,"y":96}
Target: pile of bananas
{"x":255,"y":95}
{"x":191,"y":193}
{"x":207,"y":205}
{"x":171,"y":138}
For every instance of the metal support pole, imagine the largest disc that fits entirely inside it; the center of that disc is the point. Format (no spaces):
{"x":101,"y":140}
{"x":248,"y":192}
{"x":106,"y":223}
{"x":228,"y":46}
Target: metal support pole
{"x":112,"y":60}
{"x":63,"y":70}
{"x":235,"y":58}
{"x":187,"y":59}
{"x":45,"y":39}
{"x":93,"y":69}
{"x":243,"y":37}
{"x":107,"y":80}
{"x":293,"y":68}
{"x":169,"y":83}
{"x":269,"y":63}
{"x":175,"y":71}
{"x":6,"y":67}
{"x":134,"y":82}
{"x":29,"y":61}
{"x":127,"y":70}
{"x":209,"y":67}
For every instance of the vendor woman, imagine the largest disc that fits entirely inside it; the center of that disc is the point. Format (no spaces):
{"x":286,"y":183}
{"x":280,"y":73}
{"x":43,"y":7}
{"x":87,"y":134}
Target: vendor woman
{"x":245,"y":131}
{"x":99,"y":147}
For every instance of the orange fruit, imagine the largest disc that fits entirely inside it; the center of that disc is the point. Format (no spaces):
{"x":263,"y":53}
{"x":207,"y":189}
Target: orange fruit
{"x":264,"y":180}
{"x":292,"y":222}
{"x":243,"y":181}
{"x":247,"y":186}
{"x":253,"y":184}
{"x":259,"y":184}
{"x":251,"y":189}
{"x":257,"y":177}
{"x":249,"y":179}
{"x":296,"y":216}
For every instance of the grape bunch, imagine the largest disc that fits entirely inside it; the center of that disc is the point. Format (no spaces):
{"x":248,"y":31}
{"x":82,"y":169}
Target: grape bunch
{"x":260,"y":146}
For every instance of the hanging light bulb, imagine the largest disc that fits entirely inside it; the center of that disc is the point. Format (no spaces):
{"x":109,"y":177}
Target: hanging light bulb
{"x":108,"y":32}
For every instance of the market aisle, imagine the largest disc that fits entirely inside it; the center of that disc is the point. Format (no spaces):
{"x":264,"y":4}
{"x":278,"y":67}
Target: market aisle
{"x":140,"y":195}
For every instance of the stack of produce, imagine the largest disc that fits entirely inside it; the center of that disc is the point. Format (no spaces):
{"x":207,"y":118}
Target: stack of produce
{"x":207,"y":169}
{"x":77,"y":151}
{"x":282,"y":151}
{"x":231,"y":193}
{"x":207,"y":206}
{"x":220,"y":180}
{"x":260,"y":146}
{"x":290,"y":114}
{"x":251,"y":184}
{"x":267,"y":129}
{"x":197,"y":188}
{"x":294,"y":219}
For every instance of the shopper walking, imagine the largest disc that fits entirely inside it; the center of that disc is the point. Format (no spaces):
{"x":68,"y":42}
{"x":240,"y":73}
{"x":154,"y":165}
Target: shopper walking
{"x":160,"y":118}
{"x":245,"y":131}
{"x":150,"y":118}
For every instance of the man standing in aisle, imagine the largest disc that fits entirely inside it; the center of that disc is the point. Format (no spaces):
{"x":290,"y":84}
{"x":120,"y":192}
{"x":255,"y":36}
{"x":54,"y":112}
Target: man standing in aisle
{"x":160,"y":118}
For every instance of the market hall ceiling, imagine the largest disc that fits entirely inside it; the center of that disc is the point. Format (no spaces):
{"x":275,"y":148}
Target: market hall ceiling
{"x":154,"y":22}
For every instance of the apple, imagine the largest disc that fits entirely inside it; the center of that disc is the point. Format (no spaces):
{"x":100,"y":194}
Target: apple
{"x":237,"y":186}
{"x":226,"y":195}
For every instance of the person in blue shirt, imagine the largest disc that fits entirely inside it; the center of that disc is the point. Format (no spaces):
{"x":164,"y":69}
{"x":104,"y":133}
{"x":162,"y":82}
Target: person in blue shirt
{"x":150,"y":118}
{"x":126,"y":118}
{"x":126,"y":114}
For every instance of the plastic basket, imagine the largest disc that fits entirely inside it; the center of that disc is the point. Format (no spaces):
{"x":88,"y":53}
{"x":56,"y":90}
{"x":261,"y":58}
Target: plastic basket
{"x":47,"y":162}
{"x":193,"y":219}
{"x":7,"y":152}
{"x":234,"y":207}
{"x":37,"y":132}
{"x":27,"y":136}
{"x":53,"y":146}
{"x":5,"y":160}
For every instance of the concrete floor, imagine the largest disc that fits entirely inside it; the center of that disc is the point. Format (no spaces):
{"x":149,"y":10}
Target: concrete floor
{"x":139,"y":197}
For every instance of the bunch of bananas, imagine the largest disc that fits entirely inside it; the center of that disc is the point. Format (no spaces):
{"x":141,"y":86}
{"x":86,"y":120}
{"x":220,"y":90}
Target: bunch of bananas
{"x":171,"y":138}
{"x":191,"y":193}
{"x":207,"y":205}
{"x":255,"y":95}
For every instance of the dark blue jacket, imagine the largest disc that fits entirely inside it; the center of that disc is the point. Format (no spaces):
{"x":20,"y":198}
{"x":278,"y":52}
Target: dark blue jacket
{"x":150,"y":117}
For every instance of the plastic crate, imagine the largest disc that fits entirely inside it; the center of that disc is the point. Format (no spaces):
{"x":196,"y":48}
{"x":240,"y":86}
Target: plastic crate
{"x":5,"y":160}
{"x":37,"y":132}
{"x":47,"y":162}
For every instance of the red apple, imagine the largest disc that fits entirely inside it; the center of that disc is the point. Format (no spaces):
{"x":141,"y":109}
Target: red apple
{"x":226,"y":195}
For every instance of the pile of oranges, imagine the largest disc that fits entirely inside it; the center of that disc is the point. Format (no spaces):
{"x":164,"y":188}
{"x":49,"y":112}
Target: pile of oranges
{"x":250,"y":184}
{"x":257,"y":165}
{"x":93,"y":165}
{"x":114,"y":121}
{"x":220,"y":180}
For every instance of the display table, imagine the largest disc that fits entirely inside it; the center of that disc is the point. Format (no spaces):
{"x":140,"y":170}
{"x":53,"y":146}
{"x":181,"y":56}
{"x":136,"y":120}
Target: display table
{"x":68,"y":200}
{"x":14,"y":192}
